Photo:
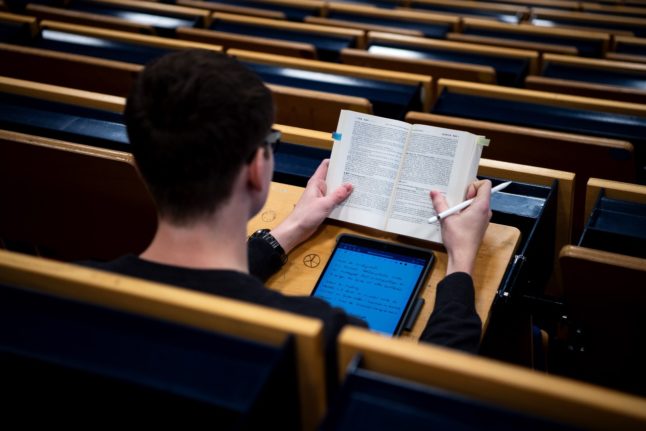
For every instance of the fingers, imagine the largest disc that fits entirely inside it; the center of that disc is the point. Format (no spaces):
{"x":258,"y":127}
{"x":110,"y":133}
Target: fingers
{"x":471,"y":191}
{"x":480,"y":189}
{"x":321,"y":171}
{"x":483,"y":189}
{"x":439,"y":201}
{"x":483,"y":198}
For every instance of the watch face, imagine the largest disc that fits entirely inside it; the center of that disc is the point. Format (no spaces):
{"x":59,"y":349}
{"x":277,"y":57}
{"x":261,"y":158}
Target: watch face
{"x":259,"y":233}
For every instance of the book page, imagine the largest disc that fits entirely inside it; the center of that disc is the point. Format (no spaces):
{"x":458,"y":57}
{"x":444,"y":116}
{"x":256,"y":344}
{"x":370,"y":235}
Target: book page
{"x":436,"y":159}
{"x":368,"y":156}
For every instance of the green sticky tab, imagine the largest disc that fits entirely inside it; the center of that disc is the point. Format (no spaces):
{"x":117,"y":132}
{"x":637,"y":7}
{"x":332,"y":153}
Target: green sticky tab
{"x":483,"y":141}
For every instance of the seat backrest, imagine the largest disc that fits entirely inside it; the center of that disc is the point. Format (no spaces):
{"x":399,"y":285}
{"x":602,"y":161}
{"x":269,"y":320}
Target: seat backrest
{"x":315,"y":110}
{"x":45,"y":12}
{"x":71,"y":201}
{"x":406,"y":80}
{"x":68,"y":70}
{"x":172,"y":351}
{"x":162,"y":17}
{"x":435,"y":68}
{"x":614,"y":190}
{"x":615,"y":9}
{"x":17,"y":27}
{"x":606,"y":300}
{"x":479,"y":386}
{"x":590,"y":77}
{"x":633,"y":47}
{"x":276,"y":9}
{"x":511,"y":65}
{"x":584,"y":43}
{"x":585,"y":156}
{"x":252,"y":43}
{"x":502,"y":12}
{"x":297,"y":107}
{"x":328,"y":40}
{"x":399,"y":20}
{"x":615,"y":217}
{"x":552,"y":111}
{"x":231,"y":8}
{"x":144,"y":47}
{"x":616,"y":25}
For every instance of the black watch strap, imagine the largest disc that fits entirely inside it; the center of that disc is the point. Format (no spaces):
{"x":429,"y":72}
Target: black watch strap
{"x":265,"y":235}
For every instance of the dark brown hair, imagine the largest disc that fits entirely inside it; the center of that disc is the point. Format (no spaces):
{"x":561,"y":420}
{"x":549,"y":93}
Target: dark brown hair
{"x":193,"y":118}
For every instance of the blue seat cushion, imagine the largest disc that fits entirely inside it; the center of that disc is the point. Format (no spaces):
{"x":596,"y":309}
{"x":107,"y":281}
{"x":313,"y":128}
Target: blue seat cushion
{"x":327,"y":47}
{"x":437,"y":31}
{"x":551,"y":117}
{"x":295,"y":164}
{"x":158,"y":20}
{"x":62,"y":121}
{"x":500,"y":16}
{"x":11,"y":32}
{"x":620,"y":217}
{"x":391,"y":100}
{"x":509,"y":71}
{"x":96,"y":47}
{"x":597,"y":76}
{"x":639,"y":31}
{"x":586,"y":48}
{"x":292,"y":12}
{"x":625,"y":48}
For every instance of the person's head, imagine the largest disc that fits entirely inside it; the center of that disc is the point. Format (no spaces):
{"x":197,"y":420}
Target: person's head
{"x":194,"y":119}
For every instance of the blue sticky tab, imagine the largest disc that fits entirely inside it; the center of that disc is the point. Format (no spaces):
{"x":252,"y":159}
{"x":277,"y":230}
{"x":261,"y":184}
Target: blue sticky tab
{"x":336,"y":136}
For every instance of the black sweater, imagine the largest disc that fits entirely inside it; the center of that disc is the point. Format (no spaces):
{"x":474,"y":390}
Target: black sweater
{"x":453,"y":323}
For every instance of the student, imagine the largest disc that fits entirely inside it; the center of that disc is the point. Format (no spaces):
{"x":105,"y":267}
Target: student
{"x":200,"y":128}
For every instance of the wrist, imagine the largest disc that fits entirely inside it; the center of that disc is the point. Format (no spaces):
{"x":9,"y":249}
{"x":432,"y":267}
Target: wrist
{"x":288,"y":235}
{"x":460,"y":262}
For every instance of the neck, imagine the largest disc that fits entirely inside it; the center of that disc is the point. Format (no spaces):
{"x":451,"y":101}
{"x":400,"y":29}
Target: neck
{"x":216,"y":242}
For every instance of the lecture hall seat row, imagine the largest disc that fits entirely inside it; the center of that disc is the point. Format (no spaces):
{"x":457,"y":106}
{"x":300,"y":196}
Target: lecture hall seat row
{"x":544,"y":110}
{"x":110,"y":179}
{"x":243,"y":32}
{"x":599,"y":333}
{"x":538,"y":203}
{"x":441,"y":59}
{"x":389,"y":93}
{"x":330,"y":119}
{"x":545,"y":223}
{"x":437,"y":58}
{"x":382,"y":380}
{"x":616,"y":80}
{"x":417,"y":23}
{"x":564,"y":151}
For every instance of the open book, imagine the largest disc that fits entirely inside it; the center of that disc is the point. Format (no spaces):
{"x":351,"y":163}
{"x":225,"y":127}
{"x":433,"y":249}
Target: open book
{"x":393,"y":166}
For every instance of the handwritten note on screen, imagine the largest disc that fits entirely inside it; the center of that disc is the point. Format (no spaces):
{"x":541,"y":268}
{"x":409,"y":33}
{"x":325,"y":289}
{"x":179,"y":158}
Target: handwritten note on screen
{"x":371,"y":284}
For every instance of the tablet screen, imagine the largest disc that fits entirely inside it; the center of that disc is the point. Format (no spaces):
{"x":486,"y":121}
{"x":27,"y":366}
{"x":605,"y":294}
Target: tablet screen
{"x":374,"y":280}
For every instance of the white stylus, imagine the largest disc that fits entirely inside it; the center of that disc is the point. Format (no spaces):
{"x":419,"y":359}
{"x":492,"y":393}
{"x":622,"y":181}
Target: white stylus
{"x":464,"y":204}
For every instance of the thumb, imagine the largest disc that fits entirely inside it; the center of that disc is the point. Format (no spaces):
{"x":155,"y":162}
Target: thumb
{"x":439,"y":201}
{"x":340,"y":194}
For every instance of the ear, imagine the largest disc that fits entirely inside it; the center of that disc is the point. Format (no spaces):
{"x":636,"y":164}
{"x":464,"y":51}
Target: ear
{"x":257,"y":171}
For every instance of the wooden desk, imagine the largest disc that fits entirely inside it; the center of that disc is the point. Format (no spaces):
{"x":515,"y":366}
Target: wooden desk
{"x":306,"y":262}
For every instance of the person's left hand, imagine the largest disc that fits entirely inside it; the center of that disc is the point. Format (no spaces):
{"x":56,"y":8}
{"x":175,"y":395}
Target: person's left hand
{"x":310,"y":210}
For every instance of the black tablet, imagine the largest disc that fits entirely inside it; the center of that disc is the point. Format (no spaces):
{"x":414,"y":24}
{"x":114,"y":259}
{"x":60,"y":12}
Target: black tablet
{"x":375,"y":280}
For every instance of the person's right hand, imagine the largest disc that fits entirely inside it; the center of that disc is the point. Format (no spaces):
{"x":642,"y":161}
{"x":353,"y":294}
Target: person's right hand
{"x":462,"y":233}
{"x":311,"y":209}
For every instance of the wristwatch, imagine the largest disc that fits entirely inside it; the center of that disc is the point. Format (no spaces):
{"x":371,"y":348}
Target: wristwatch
{"x":264,"y":235}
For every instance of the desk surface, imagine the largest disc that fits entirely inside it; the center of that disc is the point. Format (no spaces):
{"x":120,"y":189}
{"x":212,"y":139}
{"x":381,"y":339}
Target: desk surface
{"x":302,"y":270}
